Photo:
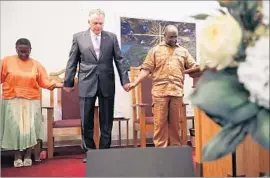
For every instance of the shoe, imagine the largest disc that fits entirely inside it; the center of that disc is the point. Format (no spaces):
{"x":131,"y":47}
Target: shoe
{"x":84,"y":160}
{"x":27,"y":162}
{"x":18,"y":163}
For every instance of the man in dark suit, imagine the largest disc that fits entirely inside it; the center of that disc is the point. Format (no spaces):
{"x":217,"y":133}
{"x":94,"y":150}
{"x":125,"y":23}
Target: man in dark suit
{"x":95,"y":50}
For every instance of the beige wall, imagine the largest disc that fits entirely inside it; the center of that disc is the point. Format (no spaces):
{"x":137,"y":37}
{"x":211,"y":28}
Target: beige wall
{"x":50,"y":25}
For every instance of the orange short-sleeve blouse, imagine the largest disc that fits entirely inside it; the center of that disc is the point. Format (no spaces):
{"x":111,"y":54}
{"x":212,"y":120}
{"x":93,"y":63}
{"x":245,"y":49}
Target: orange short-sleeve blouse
{"x":23,"y":78}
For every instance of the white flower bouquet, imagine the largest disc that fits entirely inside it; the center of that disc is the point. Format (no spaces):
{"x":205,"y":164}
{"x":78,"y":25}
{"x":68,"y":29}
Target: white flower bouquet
{"x":234,"y":87}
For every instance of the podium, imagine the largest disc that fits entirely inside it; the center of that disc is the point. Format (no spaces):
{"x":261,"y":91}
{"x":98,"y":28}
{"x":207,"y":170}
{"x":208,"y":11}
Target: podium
{"x":251,"y":159}
{"x":173,"y":161}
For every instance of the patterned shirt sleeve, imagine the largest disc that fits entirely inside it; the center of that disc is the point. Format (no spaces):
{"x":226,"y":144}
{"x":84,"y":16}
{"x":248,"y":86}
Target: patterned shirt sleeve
{"x":189,"y":61}
{"x":149,"y":62}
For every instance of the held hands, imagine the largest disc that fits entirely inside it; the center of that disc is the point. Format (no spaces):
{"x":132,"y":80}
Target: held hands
{"x":132,"y":86}
{"x":126,"y":87}
{"x":129,"y":86}
{"x":59,"y":85}
{"x":143,"y":74}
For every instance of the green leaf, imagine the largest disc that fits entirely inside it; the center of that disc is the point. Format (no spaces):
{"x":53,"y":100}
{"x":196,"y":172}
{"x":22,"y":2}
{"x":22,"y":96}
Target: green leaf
{"x":200,"y":16}
{"x":230,"y":5}
{"x":226,"y":141}
{"x":251,"y":4}
{"x":248,"y":15}
{"x":217,"y":120}
{"x":222,"y":11}
{"x":260,"y":130}
{"x":219,"y":94}
{"x":241,"y":54}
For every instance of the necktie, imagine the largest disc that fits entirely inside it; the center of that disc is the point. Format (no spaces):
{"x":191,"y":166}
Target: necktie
{"x":97,"y":41}
{"x":97,"y":44}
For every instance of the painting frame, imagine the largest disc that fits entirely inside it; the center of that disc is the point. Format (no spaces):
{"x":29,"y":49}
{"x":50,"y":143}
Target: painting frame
{"x":139,"y":35}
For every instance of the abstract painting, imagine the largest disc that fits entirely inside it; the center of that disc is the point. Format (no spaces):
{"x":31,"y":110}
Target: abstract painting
{"x":138,"y":36}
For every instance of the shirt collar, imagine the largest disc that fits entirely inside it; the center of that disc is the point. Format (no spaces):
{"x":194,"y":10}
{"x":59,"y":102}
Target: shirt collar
{"x":92,"y":34}
{"x":164,"y":44}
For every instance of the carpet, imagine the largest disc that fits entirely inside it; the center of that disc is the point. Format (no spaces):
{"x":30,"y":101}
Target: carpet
{"x":61,"y":166}
{"x":66,"y":163}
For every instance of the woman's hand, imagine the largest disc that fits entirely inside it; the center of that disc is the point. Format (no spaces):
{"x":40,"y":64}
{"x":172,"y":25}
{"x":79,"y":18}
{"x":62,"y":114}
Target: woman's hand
{"x":59,"y":85}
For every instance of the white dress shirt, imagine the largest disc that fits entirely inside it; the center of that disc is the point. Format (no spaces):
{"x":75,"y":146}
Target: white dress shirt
{"x":96,"y":42}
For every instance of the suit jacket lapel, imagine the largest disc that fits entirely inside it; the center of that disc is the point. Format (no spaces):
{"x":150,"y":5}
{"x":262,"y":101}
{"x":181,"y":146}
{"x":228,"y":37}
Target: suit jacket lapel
{"x":91,"y":47}
{"x":102,"y":44}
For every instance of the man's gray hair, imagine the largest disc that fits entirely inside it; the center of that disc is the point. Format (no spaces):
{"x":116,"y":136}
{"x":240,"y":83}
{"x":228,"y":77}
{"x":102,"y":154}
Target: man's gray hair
{"x":96,"y":12}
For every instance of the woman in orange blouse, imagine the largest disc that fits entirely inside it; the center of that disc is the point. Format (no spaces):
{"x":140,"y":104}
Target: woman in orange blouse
{"x":21,"y":118}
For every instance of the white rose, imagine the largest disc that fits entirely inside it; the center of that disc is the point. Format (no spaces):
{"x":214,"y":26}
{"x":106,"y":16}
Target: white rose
{"x":219,"y":41}
{"x":254,"y":72}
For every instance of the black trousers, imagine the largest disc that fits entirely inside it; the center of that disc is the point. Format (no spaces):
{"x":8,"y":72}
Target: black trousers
{"x":106,"y":109}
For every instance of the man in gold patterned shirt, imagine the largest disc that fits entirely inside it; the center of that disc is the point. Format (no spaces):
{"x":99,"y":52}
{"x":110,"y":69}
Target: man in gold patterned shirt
{"x":166,"y":63}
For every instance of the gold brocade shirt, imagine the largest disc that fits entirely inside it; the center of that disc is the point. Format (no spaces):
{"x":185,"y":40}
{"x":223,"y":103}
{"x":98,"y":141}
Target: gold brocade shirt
{"x":167,"y":66}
